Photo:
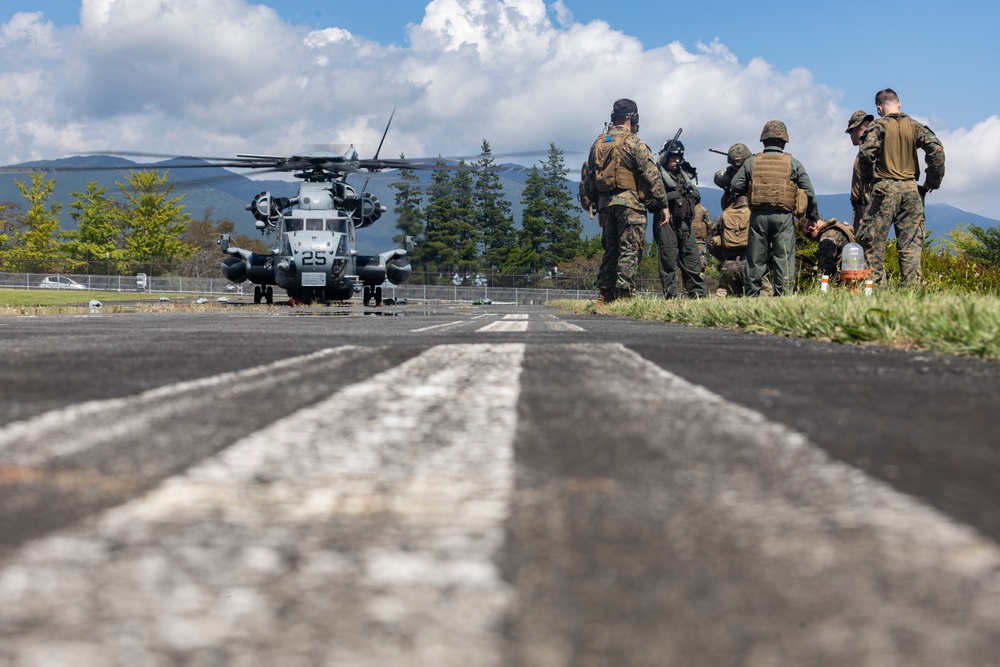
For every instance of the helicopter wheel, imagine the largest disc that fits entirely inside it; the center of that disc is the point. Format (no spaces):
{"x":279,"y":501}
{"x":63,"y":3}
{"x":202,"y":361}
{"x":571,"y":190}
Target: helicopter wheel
{"x":269,"y":295}
{"x":378,"y":295}
{"x":367,"y":294}
{"x":256,"y":294}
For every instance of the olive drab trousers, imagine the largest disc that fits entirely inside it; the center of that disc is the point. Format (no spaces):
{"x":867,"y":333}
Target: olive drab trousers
{"x":770,"y":244}
{"x":677,"y":249}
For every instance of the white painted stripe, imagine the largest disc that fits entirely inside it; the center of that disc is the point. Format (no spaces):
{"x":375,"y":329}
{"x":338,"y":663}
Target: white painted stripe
{"x":438,"y":326}
{"x":504,"y":327}
{"x":393,"y":492}
{"x":125,"y":415}
{"x":560,"y":325}
{"x":516,"y":316}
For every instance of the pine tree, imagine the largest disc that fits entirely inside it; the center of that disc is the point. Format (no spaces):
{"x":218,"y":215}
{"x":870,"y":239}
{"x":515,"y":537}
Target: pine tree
{"x":533,"y":251}
{"x":449,"y":220}
{"x":562,"y":226}
{"x":409,"y":199}
{"x":156,"y":222}
{"x":493,"y":217}
{"x":100,"y":227}
{"x":37,"y":240}
{"x":439,"y":237}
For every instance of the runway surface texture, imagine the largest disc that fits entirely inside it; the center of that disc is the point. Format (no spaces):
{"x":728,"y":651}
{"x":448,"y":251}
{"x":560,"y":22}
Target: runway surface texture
{"x":501,"y":485}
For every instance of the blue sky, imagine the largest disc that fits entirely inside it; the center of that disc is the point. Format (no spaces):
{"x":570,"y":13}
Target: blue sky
{"x":514,"y":72}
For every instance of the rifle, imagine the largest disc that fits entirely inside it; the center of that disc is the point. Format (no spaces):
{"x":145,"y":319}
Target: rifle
{"x":712,"y":150}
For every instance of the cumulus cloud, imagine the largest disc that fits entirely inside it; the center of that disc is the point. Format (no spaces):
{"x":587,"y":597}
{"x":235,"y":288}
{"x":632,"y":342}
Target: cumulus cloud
{"x":218,"y":77}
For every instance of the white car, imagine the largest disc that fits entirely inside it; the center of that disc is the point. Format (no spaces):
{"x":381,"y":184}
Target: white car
{"x":59,"y":282}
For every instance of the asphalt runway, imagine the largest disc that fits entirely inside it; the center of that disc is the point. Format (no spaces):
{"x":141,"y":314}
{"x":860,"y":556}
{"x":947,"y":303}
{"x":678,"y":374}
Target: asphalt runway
{"x":488,"y":485}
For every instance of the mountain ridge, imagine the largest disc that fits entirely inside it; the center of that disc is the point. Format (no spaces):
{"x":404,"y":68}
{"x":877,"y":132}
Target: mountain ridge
{"x":206,"y":193}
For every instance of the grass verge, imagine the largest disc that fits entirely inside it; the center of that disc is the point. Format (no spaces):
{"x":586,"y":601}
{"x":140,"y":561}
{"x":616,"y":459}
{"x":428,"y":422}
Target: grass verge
{"x":914,"y":320}
{"x":58,"y":302}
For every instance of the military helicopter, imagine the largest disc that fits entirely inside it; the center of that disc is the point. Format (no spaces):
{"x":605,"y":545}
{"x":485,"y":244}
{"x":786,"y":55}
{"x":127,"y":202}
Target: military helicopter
{"x":314,"y":256}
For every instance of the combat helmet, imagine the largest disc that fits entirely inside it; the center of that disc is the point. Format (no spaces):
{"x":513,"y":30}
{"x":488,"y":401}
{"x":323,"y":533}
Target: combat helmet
{"x":774,"y":129}
{"x":676,"y":149}
{"x":737,"y":155}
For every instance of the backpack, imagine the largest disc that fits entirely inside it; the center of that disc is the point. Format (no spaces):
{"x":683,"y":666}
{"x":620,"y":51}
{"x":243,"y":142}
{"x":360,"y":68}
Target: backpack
{"x":735,"y":228}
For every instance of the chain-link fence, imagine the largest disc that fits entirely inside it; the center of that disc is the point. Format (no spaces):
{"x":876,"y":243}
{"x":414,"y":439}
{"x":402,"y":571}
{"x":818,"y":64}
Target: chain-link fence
{"x":421,"y":287}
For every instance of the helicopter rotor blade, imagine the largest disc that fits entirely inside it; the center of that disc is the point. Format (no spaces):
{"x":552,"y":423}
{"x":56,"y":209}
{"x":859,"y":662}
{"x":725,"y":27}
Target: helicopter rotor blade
{"x":379,"y":150}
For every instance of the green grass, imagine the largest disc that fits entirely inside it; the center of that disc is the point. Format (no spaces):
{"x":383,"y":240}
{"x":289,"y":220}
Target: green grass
{"x":41,"y":302}
{"x":942,"y":322}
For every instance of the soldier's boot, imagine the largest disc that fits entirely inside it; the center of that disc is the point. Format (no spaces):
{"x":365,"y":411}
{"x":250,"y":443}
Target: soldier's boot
{"x":624,"y":293}
{"x":604,"y":297}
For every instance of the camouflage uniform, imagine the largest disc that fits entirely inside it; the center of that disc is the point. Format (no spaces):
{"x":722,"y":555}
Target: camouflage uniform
{"x":834,"y":235}
{"x":701,"y":225}
{"x":732,"y":260}
{"x":771,"y":242}
{"x":735,"y":156}
{"x":623,"y":212}
{"x":676,"y":245}
{"x":585,"y":201}
{"x":861,"y":178}
{"x":895,"y":198}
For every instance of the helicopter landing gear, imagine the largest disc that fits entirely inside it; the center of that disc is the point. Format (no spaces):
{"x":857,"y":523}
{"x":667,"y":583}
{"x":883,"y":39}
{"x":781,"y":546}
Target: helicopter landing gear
{"x":256,"y":294}
{"x":372,"y":294}
{"x":269,"y":295}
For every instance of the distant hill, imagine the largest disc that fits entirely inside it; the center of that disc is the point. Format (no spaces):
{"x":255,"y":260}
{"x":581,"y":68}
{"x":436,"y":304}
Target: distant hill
{"x":226,"y":195}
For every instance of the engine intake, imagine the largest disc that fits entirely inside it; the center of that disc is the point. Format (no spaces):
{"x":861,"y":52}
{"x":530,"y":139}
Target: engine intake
{"x":367,"y":209}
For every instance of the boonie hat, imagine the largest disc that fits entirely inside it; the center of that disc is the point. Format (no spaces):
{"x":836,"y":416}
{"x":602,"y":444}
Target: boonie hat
{"x":859,"y":117}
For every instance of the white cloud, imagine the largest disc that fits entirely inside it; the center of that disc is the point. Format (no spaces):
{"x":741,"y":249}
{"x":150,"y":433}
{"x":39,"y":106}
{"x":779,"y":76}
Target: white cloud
{"x":218,"y":77}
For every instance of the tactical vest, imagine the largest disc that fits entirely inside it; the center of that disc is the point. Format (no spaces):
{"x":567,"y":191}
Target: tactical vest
{"x":611,"y":170}
{"x":771,"y":184}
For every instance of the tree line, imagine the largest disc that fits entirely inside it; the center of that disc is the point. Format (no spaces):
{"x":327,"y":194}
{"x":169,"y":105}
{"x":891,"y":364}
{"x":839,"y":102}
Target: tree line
{"x":146,"y":226}
{"x":464,"y":222}
{"x":461,"y":221}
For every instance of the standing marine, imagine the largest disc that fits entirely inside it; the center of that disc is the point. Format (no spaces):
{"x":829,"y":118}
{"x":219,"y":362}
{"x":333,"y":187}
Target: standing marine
{"x":779,"y":191}
{"x":622,"y":177}
{"x":889,"y":148}
{"x":676,"y":245}
{"x":701,"y":225}
{"x":735,"y":157}
{"x":861,"y":179}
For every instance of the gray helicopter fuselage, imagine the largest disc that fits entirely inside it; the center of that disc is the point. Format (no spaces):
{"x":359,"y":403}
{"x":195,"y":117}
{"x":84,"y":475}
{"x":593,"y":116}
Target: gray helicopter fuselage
{"x":313,"y":252}
{"x":314,"y":257}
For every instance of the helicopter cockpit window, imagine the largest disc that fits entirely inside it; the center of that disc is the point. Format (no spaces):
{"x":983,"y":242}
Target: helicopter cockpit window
{"x":293,"y":224}
{"x":314,"y":225}
{"x":337,"y":225}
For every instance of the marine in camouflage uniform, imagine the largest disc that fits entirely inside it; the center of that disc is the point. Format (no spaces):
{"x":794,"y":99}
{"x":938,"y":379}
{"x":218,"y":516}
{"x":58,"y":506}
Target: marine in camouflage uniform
{"x":622,"y":177}
{"x":677,"y":247}
{"x":832,"y":235}
{"x":861,"y":179}
{"x":889,"y":147}
{"x":731,"y":258}
{"x":701,"y":225}
{"x":732,"y":255}
{"x":771,"y":241}
{"x":735,"y":157}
